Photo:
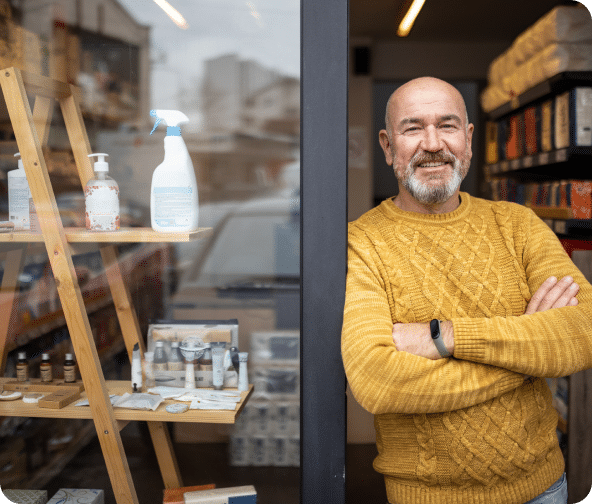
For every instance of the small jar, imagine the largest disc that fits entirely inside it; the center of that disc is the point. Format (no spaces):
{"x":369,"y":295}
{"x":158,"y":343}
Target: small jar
{"x":22,"y":367}
{"x":46,"y":369}
{"x":69,"y":369}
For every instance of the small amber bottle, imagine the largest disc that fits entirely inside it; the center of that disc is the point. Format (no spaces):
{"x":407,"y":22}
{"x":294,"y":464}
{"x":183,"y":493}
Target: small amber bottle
{"x":22,"y":367}
{"x":69,"y":369}
{"x":46,"y":369}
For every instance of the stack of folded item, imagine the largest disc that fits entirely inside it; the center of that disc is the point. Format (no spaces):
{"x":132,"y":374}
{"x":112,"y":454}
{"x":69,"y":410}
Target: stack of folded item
{"x":560,"y":41}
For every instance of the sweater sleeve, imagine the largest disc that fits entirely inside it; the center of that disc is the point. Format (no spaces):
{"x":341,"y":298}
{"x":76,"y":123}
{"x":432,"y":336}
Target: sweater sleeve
{"x":556,"y":342}
{"x":384,"y":380}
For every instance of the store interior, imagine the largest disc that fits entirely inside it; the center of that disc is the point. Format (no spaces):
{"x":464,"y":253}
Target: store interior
{"x":456,"y":41}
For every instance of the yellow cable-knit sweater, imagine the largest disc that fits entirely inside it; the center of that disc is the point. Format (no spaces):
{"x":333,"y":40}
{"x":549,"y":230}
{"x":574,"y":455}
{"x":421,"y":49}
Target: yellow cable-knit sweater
{"x":478,"y":427}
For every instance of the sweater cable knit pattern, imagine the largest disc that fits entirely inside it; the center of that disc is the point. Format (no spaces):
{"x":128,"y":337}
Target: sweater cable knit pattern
{"x":478,"y":427}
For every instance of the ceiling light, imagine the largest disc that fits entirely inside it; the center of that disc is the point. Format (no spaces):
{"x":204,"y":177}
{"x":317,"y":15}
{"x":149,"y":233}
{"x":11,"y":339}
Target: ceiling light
{"x":409,"y":19}
{"x":173,"y":13}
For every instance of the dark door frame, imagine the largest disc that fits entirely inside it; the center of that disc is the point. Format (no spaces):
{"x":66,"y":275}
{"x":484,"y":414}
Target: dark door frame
{"x":324,"y":81}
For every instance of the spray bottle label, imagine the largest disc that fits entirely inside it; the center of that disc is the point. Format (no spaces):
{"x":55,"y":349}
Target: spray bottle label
{"x":173,"y":206}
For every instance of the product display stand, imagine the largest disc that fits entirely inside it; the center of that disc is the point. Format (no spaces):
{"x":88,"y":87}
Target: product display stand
{"x":31,"y":131}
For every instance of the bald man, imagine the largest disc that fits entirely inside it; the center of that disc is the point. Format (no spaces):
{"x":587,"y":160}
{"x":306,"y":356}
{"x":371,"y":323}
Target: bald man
{"x":454,"y":315}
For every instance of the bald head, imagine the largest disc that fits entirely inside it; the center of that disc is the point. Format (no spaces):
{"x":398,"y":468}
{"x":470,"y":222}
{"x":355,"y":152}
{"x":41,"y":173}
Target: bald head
{"x":428,"y":87}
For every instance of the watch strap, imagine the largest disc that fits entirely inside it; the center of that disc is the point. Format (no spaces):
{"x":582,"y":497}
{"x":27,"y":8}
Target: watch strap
{"x":437,"y":338}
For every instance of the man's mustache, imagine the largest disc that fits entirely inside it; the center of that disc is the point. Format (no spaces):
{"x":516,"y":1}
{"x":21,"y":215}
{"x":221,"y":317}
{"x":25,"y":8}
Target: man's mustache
{"x":432,"y":157}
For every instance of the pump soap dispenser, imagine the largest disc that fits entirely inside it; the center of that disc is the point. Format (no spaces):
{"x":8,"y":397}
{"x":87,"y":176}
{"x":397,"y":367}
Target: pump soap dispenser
{"x":101,"y":198}
{"x":173,"y":195}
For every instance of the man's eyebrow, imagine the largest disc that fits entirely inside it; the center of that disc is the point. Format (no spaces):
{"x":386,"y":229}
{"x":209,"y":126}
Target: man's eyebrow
{"x":417,"y":120}
{"x":410,"y":120}
{"x":450,"y":117}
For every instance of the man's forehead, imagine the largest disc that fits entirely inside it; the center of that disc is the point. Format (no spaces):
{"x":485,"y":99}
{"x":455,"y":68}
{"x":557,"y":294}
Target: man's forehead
{"x":420,"y":102}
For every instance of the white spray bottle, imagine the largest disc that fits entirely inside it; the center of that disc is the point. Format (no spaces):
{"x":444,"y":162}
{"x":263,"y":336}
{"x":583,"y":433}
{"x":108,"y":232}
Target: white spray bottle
{"x":173,"y":196}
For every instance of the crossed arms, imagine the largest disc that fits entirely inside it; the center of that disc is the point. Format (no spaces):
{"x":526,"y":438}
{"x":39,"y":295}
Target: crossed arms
{"x":416,"y":338}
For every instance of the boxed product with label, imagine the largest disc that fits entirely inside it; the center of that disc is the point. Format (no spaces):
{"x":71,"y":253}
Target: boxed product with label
{"x":275,"y":382}
{"x":573,"y":118}
{"x":275,"y":347}
{"x":26,"y":496}
{"x":232,"y":495}
{"x":176,"y":495}
{"x":78,"y":496}
{"x":166,"y":344}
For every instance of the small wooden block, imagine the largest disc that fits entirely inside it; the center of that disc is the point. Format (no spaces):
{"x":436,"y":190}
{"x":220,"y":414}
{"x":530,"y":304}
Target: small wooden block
{"x":36,"y":385}
{"x":59,"y":399}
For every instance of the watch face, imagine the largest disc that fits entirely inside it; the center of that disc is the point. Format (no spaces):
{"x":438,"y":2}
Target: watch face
{"x":435,"y":329}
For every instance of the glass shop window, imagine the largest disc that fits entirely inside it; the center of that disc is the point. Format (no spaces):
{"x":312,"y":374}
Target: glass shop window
{"x":232,"y":68}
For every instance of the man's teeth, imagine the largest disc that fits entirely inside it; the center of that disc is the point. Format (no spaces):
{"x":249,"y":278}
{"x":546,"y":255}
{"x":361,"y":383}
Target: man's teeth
{"x":430,"y":165}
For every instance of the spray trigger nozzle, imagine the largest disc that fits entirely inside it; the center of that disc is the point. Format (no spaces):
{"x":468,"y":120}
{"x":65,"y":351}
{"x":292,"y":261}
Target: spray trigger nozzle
{"x":158,"y":119}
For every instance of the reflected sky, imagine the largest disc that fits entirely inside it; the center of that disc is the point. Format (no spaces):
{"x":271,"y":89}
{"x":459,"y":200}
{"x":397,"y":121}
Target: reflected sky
{"x":267,"y":31}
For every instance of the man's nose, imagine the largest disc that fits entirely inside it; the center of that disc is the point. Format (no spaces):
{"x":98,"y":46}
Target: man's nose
{"x":431,"y":140}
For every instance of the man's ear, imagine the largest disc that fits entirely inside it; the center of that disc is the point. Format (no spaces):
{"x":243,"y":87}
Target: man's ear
{"x":385,"y":143}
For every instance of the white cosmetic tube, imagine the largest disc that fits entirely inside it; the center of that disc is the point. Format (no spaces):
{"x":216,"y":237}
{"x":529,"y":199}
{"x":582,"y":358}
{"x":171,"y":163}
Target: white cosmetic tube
{"x":136,"y":369}
{"x":218,"y":367}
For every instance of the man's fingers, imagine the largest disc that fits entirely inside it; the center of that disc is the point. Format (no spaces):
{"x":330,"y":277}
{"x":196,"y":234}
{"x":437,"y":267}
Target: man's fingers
{"x":553,"y":294}
{"x":567,"y":296}
{"x":539,"y":295}
{"x":559,"y":295}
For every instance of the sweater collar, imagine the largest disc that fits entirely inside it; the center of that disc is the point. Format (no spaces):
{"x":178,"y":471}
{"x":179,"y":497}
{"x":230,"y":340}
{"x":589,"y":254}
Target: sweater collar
{"x":393,"y":212}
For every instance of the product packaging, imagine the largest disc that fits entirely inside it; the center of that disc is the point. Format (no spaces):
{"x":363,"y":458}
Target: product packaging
{"x":19,"y":199}
{"x":78,"y":495}
{"x":173,"y":194}
{"x":573,"y":118}
{"x":26,"y":496}
{"x":175,"y":495}
{"x":231,"y":495}
{"x":163,"y":333}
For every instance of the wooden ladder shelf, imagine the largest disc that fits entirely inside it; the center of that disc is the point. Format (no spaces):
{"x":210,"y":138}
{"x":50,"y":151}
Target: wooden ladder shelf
{"x":31,"y":130}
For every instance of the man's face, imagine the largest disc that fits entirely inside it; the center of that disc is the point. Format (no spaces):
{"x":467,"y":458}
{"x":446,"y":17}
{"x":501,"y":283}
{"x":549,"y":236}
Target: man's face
{"x":428,"y":142}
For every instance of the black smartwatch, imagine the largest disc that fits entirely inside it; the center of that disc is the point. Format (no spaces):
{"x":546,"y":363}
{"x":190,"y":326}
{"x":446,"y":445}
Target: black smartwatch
{"x":437,"y":338}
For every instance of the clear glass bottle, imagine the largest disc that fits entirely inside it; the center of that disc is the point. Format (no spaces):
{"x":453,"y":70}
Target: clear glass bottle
{"x":176,"y":361}
{"x":160,"y":358}
{"x":22,"y":367}
{"x":69,"y":369}
{"x":46,"y":368}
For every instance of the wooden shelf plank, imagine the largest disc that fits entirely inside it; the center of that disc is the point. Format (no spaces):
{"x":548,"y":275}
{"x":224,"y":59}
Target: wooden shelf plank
{"x":124,"y":235}
{"x":20,"y":409}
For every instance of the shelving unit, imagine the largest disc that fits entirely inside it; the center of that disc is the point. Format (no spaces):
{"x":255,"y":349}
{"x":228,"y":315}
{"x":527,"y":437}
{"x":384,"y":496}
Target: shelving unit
{"x":31,"y":129}
{"x":573,"y":163}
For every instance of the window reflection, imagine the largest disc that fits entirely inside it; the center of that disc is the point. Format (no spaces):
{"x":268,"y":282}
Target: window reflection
{"x":233,"y":68}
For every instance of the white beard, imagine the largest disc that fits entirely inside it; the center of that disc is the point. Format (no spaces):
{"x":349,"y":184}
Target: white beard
{"x":428,"y":194}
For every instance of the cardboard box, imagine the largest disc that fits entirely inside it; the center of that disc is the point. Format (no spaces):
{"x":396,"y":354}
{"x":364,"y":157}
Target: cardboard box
{"x":78,"y":496}
{"x":175,"y":495}
{"x":26,"y":496}
{"x":231,"y":495}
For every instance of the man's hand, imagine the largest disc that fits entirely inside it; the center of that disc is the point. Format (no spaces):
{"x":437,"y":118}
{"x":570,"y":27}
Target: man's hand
{"x":553,"y":294}
{"x":417,"y":339}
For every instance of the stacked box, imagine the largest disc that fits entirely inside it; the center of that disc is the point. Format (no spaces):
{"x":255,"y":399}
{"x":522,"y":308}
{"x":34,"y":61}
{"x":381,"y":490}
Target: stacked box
{"x":26,"y":496}
{"x":267,"y":433}
{"x":78,"y":496}
{"x":232,"y":495}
